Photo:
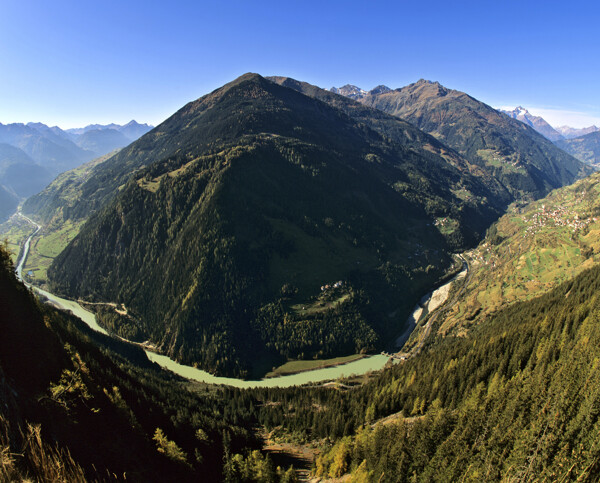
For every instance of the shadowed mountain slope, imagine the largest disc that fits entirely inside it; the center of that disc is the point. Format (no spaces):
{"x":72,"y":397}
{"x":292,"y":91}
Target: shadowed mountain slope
{"x":245,"y":203}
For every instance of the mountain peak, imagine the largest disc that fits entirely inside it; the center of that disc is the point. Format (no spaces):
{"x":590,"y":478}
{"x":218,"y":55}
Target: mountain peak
{"x":426,"y":81}
{"x":349,"y":90}
{"x":380,"y":89}
{"x":536,"y":122}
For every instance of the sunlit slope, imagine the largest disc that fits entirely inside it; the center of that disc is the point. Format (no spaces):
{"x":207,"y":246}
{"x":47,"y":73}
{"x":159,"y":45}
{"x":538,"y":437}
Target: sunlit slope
{"x":531,"y":250}
{"x":526,"y":163}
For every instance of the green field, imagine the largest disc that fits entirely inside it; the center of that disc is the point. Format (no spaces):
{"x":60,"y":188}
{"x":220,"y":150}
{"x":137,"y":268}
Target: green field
{"x":323,"y":303}
{"x":15,"y":232}
{"x":44,"y":247}
{"x":496,"y":160}
{"x":293,"y":367}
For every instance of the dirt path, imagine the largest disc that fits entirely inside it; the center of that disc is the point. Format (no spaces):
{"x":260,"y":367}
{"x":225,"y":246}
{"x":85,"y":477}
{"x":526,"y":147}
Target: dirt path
{"x":285,"y":454}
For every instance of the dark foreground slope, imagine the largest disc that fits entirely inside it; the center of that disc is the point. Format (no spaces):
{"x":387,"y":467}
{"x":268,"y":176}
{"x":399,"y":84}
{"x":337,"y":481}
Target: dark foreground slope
{"x":78,"y":406}
{"x":525,"y":162}
{"x":252,"y":199}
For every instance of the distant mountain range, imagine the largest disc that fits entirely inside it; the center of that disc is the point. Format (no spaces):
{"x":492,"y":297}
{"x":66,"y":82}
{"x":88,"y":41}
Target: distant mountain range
{"x":32,"y":154}
{"x":585,"y":148}
{"x":536,"y":122}
{"x":132,"y":130}
{"x":571,"y":132}
{"x":520,"y":113}
{"x":357,"y":93}
{"x":59,"y":150}
{"x":511,"y":152}
{"x":554,"y":134}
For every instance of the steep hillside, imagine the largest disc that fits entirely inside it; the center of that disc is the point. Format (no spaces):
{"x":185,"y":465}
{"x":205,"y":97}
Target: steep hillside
{"x":585,"y":148}
{"x":526,"y":163}
{"x":529,"y":251}
{"x":391,"y":127}
{"x":79,"y":406}
{"x":58,"y":202}
{"x":515,"y":400}
{"x":8,"y":203}
{"x":258,"y":196}
{"x":54,"y":209}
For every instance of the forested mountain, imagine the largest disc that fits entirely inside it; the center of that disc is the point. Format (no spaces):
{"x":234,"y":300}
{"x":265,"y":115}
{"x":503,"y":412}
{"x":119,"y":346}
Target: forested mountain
{"x":79,"y":406}
{"x":406,"y":134}
{"x":525,"y":162}
{"x":515,"y":400}
{"x":245,"y":204}
{"x":585,"y":148}
{"x":211,"y":229}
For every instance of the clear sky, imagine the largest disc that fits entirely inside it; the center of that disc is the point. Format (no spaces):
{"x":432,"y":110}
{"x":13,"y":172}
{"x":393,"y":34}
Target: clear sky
{"x":71,"y":63}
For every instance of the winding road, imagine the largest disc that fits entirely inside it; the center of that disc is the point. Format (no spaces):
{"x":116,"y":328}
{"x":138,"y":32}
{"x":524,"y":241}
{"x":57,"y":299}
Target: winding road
{"x":23,"y":258}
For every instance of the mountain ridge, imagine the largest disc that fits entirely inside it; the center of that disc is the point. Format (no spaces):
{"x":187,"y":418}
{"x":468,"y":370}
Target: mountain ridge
{"x":523,"y":160}
{"x":571,"y":132}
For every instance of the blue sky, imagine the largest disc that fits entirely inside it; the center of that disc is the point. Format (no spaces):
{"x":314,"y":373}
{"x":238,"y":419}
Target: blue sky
{"x":71,"y":63}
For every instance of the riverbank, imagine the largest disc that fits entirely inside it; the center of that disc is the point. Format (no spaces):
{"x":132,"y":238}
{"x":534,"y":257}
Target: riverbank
{"x":298,"y":366}
{"x":428,"y":304}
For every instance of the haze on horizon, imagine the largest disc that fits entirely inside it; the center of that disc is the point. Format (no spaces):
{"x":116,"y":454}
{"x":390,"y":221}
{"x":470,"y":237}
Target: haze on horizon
{"x":72,"y":64}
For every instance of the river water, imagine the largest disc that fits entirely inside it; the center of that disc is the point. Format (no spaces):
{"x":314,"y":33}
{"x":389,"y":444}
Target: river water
{"x":359,"y":367}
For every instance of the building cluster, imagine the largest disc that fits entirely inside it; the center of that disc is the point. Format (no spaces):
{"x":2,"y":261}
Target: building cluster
{"x":338,"y":284}
{"x":557,"y":216}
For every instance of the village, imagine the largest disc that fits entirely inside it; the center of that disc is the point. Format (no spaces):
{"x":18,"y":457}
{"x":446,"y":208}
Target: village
{"x":556,"y":216}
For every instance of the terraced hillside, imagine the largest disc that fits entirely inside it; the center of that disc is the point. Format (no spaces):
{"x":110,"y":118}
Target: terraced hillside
{"x":531,"y":250}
